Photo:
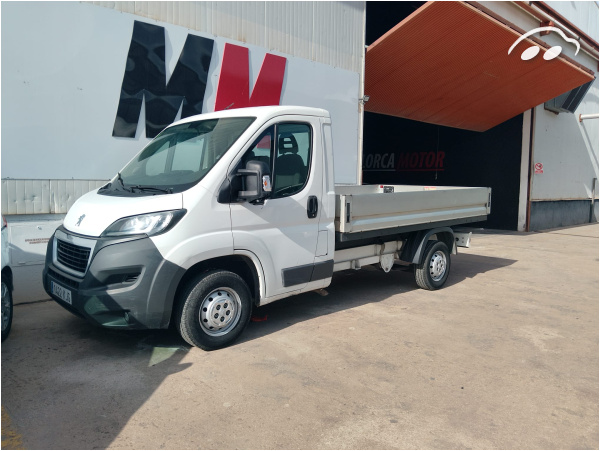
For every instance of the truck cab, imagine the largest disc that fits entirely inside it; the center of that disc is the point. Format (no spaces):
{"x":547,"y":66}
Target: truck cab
{"x":246,"y":194}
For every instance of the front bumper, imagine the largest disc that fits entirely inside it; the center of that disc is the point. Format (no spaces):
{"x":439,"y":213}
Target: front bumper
{"x":128,"y":284}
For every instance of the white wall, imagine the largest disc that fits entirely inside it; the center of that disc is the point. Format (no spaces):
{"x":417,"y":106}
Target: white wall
{"x":515,"y":15}
{"x":62,"y":69}
{"x":583,"y":14}
{"x":568,"y":151}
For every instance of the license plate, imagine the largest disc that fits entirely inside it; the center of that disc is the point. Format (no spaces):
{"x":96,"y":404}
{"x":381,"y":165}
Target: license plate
{"x":62,"y":293}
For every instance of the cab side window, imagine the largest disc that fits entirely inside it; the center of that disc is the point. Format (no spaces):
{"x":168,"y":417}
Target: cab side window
{"x":286,"y":149}
{"x":292,"y":158}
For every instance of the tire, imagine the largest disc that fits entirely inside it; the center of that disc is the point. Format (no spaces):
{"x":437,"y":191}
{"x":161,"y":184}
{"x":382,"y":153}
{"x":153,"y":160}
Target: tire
{"x":7,"y":308}
{"x":214,"y":309}
{"x":433,"y":271}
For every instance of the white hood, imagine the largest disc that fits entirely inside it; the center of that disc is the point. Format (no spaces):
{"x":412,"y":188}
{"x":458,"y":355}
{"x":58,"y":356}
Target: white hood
{"x":93,"y":213}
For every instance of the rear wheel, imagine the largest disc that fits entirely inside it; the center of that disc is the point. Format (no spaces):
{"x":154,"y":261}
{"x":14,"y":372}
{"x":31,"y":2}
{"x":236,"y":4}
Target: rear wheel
{"x":433,"y":271}
{"x":7,"y":308}
{"x":214,"y":309}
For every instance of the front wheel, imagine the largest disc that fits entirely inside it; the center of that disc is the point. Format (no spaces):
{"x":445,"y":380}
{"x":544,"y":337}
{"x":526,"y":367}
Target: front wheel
{"x":433,"y":271}
{"x":214,"y":309}
{"x":7,"y":308}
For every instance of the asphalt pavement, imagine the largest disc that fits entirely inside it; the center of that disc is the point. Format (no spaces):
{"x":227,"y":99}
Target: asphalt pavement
{"x":505,"y":356}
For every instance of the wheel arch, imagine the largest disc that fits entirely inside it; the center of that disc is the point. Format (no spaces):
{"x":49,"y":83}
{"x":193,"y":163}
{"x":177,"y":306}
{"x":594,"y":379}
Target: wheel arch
{"x":241,"y":265}
{"x":7,"y":272}
{"x":414,"y":249}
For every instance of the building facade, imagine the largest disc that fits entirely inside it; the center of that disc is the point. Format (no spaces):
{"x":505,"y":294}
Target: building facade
{"x":419,"y":93}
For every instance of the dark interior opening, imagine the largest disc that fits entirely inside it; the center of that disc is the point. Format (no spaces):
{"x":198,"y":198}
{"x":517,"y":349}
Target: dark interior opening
{"x":383,"y":16}
{"x":403,"y":152}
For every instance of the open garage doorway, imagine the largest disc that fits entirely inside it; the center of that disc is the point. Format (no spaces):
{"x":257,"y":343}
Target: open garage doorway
{"x":404,"y":152}
{"x":447,"y":103}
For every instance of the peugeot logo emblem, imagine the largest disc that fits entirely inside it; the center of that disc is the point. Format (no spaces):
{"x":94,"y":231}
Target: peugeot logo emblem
{"x":79,"y":220}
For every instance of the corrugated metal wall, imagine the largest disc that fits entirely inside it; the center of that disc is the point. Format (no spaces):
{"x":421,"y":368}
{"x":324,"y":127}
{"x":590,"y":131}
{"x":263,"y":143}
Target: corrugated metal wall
{"x":35,"y":197}
{"x":326,"y":32}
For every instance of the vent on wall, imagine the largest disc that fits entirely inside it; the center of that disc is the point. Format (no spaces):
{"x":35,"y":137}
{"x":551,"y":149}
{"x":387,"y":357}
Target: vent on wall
{"x":569,"y":101}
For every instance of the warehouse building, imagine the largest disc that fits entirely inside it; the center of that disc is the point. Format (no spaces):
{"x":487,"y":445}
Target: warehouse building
{"x":419,"y":93}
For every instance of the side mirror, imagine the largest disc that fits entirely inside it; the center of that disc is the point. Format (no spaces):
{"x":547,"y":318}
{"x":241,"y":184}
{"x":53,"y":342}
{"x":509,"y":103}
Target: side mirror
{"x":258,"y":181}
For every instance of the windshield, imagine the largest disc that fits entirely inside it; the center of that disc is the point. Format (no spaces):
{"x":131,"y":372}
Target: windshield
{"x":179,"y":157}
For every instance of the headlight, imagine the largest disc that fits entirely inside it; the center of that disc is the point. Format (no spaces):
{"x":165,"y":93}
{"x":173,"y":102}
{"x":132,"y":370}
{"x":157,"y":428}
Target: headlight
{"x":148,"y":224}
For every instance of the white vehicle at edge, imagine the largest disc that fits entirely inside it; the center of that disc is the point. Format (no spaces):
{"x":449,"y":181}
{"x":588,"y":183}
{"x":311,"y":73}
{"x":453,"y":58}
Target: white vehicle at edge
{"x":227,"y":210}
{"x":7,"y":283}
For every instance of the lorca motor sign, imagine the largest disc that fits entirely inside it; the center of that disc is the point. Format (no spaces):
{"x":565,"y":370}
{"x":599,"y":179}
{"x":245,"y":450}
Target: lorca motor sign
{"x":424,"y":161}
{"x":145,"y":81}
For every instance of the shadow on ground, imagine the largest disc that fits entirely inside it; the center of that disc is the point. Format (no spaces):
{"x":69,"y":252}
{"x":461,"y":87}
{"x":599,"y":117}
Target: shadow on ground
{"x":54,"y":362}
{"x":351,"y":289}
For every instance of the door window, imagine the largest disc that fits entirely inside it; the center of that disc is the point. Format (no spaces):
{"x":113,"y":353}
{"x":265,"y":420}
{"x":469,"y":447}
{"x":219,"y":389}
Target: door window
{"x":286,"y":149}
{"x":292,"y":162}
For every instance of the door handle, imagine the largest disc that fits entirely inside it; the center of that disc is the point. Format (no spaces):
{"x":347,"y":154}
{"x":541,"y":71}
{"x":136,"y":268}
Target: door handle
{"x":313,"y":207}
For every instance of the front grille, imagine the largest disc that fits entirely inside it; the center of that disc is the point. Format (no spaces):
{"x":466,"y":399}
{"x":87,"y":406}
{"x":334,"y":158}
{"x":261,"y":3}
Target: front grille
{"x":72,"y":256}
{"x":63,"y":280}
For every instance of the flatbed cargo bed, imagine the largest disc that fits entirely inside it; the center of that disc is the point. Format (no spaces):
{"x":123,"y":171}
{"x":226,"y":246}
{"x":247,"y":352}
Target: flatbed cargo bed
{"x":366,"y":211}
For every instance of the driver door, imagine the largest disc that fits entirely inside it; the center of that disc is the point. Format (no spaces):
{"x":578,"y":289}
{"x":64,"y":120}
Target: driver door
{"x":282,"y":231}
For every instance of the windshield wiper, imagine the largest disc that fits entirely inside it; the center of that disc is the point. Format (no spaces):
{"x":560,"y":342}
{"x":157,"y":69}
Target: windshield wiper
{"x":152,"y":188}
{"x":120,"y":179}
{"x":109,"y":185}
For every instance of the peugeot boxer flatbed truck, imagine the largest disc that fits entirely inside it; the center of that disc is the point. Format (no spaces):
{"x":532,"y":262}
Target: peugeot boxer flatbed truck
{"x":234,"y":209}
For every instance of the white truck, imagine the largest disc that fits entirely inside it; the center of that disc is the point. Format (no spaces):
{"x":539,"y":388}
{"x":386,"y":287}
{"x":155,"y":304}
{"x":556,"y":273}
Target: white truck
{"x":234,"y":209}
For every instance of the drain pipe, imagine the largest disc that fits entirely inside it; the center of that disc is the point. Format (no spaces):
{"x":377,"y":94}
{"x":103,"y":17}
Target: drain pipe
{"x":361,"y":102}
{"x":583,"y":117}
{"x":592,"y":216}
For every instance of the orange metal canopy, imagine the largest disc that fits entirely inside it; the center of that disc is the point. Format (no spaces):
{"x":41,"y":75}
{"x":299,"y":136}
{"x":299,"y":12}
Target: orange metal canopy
{"x":448,"y":64}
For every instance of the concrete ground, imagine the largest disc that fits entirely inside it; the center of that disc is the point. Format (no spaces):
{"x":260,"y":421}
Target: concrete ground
{"x":505,"y":356}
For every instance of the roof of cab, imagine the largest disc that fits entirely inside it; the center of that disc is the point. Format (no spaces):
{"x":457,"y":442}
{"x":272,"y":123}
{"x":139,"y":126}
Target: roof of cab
{"x":262,"y":112}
